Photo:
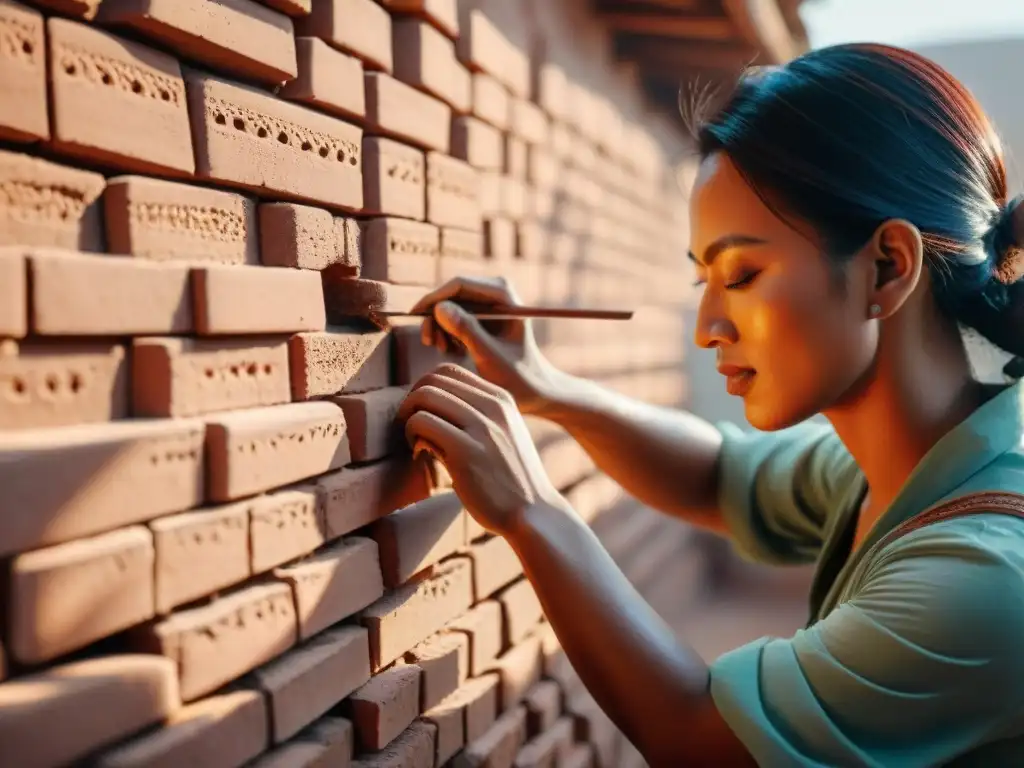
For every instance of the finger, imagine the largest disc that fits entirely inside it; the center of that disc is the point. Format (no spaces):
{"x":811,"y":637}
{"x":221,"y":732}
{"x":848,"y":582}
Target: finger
{"x":432,"y":433}
{"x":474,"y":380}
{"x":466,"y":329}
{"x":483,"y":402}
{"x":440,"y":402}
{"x":482,"y":290}
{"x":427,"y":332}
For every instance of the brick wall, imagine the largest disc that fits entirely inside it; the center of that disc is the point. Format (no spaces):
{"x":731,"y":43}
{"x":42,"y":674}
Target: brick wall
{"x":215,"y":551}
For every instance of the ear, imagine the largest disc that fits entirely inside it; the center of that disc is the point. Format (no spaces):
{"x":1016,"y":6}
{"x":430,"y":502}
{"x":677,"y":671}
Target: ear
{"x":896,"y":252}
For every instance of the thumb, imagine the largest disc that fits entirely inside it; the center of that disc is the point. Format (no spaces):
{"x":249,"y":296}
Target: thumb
{"x":459,"y":323}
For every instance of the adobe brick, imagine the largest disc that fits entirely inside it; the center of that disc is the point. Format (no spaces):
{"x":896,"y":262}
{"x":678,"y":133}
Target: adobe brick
{"x":482,"y":624}
{"x":48,"y":479}
{"x":23,"y":105}
{"x":337,"y":582}
{"x":401,"y":251}
{"x":462,"y":244}
{"x":426,"y":59}
{"x":298,"y":236}
{"x":347,"y":298}
{"x":414,"y":748}
{"x":499,"y":745}
{"x":514,"y":156}
{"x":495,"y":565}
{"x":99,"y":84}
{"x":14,"y":318}
{"x":283,"y":526}
{"x":491,"y":101}
{"x":500,"y":238}
{"x":250,"y":300}
{"x":239,"y":36}
{"x":412,"y":358}
{"x":356,"y":496}
{"x":97,"y":702}
{"x":349,"y":233}
{"x":339,"y":360}
{"x":529,"y":122}
{"x":282,"y":444}
{"x":483,"y":47}
{"x":62,"y":385}
{"x":519,"y":668}
{"x":398,"y":111}
{"x":328,"y":79}
{"x":543,"y":707}
{"x":359,"y":27}
{"x":199,"y":553}
{"x":309,"y":680}
{"x":188,"y":377}
{"x":452,"y":268}
{"x":453,"y":189}
{"x":370,"y":418}
{"x":532,"y":240}
{"x":228,"y":729}
{"x":514,"y":197}
{"x":542,"y":168}
{"x":402,"y":619}
{"x":219,"y":642}
{"x":548,"y":749}
{"x":394,"y":179}
{"x":165,"y":220}
{"x":448,"y":719}
{"x":444,"y":660}
{"x":521,"y":609}
{"x":302,"y":154}
{"x":327,"y":742}
{"x":66,"y":596}
{"x":385,"y":706}
{"x":478,"y":143}
{"x":418,"y":536}
{"x":593,"y":725}
{"x":551,"y":89}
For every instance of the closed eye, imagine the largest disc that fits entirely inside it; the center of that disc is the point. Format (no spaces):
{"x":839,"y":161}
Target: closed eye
{"x":743,"y":281}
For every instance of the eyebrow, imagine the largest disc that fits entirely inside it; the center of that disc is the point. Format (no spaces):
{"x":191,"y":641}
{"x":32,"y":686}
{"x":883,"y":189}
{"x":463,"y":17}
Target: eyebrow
{"x":723,"y":244}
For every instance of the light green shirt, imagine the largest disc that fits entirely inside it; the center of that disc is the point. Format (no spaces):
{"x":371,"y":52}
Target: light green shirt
{"x":916,"y":656}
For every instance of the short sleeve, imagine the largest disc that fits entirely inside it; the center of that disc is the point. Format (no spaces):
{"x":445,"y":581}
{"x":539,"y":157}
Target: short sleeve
{"x":779,"y":490}
{"x":921,"y":666}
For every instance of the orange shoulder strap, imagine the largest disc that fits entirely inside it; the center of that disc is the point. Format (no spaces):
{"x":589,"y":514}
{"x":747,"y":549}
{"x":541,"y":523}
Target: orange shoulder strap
{"x":982,"y":502}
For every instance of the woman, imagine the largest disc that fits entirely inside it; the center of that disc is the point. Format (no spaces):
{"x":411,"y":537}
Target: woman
{"x":850,"y":212}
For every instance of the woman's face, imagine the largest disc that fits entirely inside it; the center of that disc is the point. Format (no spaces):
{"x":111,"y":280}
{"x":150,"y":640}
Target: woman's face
{"x":792,"y":336}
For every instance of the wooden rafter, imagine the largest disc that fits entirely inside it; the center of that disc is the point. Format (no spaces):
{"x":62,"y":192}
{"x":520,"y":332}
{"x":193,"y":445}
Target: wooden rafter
{"x":674,"y":25}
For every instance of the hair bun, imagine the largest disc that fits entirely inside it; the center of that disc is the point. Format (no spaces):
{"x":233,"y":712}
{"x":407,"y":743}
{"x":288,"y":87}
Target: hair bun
{"x":1009,"y":243}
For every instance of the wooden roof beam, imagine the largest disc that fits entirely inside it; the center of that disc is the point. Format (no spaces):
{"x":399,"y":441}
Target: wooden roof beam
{"x":673,"y":57}
{"x":665,"y":25}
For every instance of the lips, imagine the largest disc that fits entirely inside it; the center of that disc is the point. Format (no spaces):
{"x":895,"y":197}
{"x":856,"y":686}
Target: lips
{"x":738,"y":380}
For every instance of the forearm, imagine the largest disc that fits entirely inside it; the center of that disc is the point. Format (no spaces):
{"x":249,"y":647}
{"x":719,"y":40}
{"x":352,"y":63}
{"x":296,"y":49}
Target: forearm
{"x":654,"y":688}
{"x":666,"y":458}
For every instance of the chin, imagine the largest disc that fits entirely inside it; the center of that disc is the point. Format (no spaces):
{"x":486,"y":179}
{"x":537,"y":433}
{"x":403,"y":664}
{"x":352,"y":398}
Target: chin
{"x":772,"y":414}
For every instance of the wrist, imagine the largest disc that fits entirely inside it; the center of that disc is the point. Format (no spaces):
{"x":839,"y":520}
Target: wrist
{"x":535,"y":518}
{"x":556,"y":394}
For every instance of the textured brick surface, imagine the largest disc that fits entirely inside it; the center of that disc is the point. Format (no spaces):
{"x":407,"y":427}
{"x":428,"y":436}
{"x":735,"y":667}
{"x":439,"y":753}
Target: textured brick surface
{"x":339,"y":360}
{"x":356,"y":496}
{"x":519,"y":668}
{"x":444,"y":661}
{"x":399,"y":111}
{"x":394,"y":179}
{"x":23,"y":104}
{"x":327,"y":79}
{"x":401,"y":251}
{"x":425,"y":58}
{"x":360,"y":27}
{"x":245,"y":300}
{"x":298,"y":236}
{"x":413,"y":748}
{"x":385,"y":706}
{"x":452,"y":192}
{"x":416,"y":537}
{"x":499,"y":745}
{"x":482,"y":624}
{"x":370,"y":419}
{"x":347,"y":298}
{"x":284,"y":525}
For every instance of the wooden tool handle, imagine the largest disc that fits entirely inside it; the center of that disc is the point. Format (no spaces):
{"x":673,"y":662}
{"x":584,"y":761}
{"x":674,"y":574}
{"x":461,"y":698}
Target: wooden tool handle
{"x":514,"y":313}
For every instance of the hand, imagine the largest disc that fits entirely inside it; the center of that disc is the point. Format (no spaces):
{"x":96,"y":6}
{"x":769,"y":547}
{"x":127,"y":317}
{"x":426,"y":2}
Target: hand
{"x":504,"y":352}
{"x":474,"y":429}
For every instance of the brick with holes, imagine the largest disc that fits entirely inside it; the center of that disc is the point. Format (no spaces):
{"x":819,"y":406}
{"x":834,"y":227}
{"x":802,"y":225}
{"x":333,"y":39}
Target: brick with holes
{"x":394,"y":179}
{"x":303,"y":155}
{"x":359,"y":27}
{"x":328,"y":79}
{"x":401,"y":251}
{"x":284,"y":525}
{"x":101,"y":85}
{"x":398,"y":111}
{"x":23,"y":107}
{"x":453,"y":189}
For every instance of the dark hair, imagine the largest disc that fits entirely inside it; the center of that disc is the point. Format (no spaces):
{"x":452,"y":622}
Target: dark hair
{"x":849,"y":136}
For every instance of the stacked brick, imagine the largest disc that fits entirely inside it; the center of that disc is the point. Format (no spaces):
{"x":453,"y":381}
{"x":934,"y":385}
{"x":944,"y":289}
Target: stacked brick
{"x":217,"y":550}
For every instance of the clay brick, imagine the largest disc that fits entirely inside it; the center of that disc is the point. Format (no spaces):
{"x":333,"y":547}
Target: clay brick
{"x":483,"y":625}
{"x":60,"y":385}
{"x":75,"y":294}
{"x":370,"y":418}
{"x":219,"y":642}
{"x":199,"y":553}
{"x":514,"y":156}
{"x":418,"y":536}
{"x":67,"y":482}
{"x":542,"y":168}
{"x":283,"y":444}
{"x":477,"y":143}
{"x":85,"y":9}
{"x":238,"y":36}
{"x":462,"y":244}
{"x":549,"y":749}
{"x":356,"y":496}
{"x":247,"y":300}
{"x":227,"y":729}
{"x":500,"y":238}
{"x":448,"y":719}
{"x":498,"y":747}
{"x":491,"y":102}
{"x":444,"y":660}
{"x":339,"y":360}
{"x":483,"y":47}
{"x":327,"y":742}
{"x":306,"y":682}
{"x":593,"y":725}
{"x":116,"y":102}
{"x":426,"y":59}
{"x":298,"y":236}
{"x":453,"y":188}
{"x":400,"y":251}
{"x":519,"y":668}
{"x":247,"y":138}
{"x":188,"y":377}
{"x":359,"y":27}
{"x":414,"y":748}
{"x":495,"y":565}
{"x":529,"y":122}
{"x":402,"y":619}
{"x":23,"y":109}
{"x":399,"y":111}
{"x":97,"y":702}
{"x":164,"y":220}
{"x":64,"y":597}
{"x":490,"y":193}
{"x":334,"y":584}
{"x":13,"y":294}
{"x":349,"y":233}
{"x":514,"y":197}
{"x":347,"y":298}
{"x":551,"y":88}
{"x":283,"y":526}
{"x":579,"y":756}
{"x":385,"y":706}
{"x":412,"y":358}
{"x":328,"y":79}
{"x":394,"y":179}
{"x":543,"y":706}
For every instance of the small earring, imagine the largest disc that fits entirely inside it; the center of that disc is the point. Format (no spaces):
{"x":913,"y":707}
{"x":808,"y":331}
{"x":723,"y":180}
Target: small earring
{"x":875,"y":310}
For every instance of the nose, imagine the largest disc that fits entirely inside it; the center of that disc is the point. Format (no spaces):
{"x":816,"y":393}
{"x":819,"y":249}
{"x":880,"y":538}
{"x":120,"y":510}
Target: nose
{"x":714,"y":329}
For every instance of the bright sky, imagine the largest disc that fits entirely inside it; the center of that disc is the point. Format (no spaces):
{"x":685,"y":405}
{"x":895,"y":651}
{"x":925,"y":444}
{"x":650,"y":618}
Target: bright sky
{"x":910,"y":22}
